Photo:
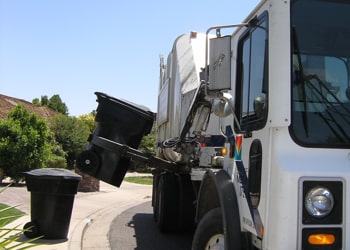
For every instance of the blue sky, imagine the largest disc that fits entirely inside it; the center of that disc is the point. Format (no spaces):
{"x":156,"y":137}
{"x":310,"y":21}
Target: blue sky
{"x":77,"y":47}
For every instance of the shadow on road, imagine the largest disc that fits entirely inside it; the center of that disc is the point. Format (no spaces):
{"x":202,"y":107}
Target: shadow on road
{"x":136,"y":229}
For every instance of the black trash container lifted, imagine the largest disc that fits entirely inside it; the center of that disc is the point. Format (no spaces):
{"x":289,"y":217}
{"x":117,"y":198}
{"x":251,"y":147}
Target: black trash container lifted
{"x":52,"y":197}
{"x":117,"y":121}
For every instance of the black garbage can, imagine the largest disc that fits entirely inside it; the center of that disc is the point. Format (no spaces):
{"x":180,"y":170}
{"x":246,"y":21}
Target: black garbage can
{"x":118,"y":121}
{"x":52,"y":197}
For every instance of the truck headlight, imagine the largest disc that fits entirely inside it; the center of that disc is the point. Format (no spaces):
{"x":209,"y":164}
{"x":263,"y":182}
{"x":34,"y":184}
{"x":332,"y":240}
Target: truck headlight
{"x":319,"y":202}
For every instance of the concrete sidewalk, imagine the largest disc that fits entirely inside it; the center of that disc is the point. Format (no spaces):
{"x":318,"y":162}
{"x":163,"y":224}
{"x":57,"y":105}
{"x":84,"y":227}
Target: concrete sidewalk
{"x":91,"y":216}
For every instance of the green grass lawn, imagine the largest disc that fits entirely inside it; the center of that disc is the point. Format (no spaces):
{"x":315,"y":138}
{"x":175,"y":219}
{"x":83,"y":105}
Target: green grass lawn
{"x":145,"y":180}
{"x":8,"y":214}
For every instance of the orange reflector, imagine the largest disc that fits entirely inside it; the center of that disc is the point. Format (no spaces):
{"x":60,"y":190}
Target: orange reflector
{"x":262,"y":230}
{"x":223,"y":151}
{"x":321,"y":239}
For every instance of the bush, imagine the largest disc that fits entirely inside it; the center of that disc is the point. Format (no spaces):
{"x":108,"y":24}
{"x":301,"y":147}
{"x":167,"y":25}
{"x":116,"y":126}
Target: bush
{"x":56,"y":161}
{"x":71,"y":134}
{"x":24,"y":142}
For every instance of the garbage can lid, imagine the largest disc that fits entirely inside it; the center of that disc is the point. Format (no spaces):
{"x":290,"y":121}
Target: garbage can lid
{"x":57,"y":173}
{"x":132,"y":107}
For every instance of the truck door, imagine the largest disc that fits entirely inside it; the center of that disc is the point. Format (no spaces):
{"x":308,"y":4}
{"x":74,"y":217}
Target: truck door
{"x":251,"y":110}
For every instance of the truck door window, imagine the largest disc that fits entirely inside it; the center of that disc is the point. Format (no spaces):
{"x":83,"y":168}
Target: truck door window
{"x":252,"y":77}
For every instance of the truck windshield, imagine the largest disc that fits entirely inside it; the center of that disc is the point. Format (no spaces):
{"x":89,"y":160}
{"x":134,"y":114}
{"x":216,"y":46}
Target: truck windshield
{"x":320,"y":34}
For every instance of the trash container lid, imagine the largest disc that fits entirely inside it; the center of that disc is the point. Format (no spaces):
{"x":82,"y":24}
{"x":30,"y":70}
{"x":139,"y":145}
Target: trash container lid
{"x":56,"y":173}
{"x":130,"y":106}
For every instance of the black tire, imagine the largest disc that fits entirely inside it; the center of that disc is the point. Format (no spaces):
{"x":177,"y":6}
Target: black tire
{"x":187,"y":197}
{"x":167,"y":204}
{"x":31,"y":230}
{"x":210,"y":232}
{"x":154,"y":195}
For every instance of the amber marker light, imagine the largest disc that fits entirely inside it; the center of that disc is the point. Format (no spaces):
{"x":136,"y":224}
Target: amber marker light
{"x":321,"y":239}
{"x":223,"y":151}
{"x":262,"y":231}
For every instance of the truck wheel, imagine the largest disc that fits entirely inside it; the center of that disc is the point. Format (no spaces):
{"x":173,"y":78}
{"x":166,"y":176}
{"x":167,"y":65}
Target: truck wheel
{"x":186,"y":202}
{"x":155,"y":195}
{"x":167,"y":204}
{"x":210,"y":232}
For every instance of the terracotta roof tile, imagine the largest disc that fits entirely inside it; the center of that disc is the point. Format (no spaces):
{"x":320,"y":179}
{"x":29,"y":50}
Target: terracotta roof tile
{"x":7,"y":103}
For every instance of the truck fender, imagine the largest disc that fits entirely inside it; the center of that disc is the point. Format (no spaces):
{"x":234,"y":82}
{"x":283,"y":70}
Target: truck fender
{"x":217,"y":190}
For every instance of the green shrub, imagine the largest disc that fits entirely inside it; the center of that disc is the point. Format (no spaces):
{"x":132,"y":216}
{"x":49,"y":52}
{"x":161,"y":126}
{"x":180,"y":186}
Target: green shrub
{"x":56,"y":161}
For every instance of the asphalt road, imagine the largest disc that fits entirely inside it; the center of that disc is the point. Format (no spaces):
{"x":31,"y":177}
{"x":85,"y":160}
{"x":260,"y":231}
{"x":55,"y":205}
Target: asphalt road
{"x":136,"y":229}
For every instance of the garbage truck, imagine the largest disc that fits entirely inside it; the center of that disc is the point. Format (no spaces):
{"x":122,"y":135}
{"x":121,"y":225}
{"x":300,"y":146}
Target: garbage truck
{"x":253,"y":131}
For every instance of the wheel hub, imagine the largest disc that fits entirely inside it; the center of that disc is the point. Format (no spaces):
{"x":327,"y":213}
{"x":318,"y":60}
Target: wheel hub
{"x":216,"y":242}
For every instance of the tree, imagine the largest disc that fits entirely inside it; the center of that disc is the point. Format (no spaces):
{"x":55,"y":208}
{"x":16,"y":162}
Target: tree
{"x":44,"y":100}
{"x":147,"y":145}
{"x":89,"y":120}
{"x":24,"y":142}
{"x":71,"y":133}
{"x":54,"y":103}
{"x":148,"y":142}
{"x":36,"y":102}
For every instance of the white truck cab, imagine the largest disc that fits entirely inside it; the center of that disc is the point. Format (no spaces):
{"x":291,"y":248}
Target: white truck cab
{"x":278,"y":90}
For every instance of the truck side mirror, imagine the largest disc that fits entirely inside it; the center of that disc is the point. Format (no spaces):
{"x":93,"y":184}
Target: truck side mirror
{"x":259,"y":106}
{"x":220,"y":63}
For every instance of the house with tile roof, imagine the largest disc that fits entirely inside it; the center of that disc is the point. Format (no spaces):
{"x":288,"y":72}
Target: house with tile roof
{"x":7,"y":103}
